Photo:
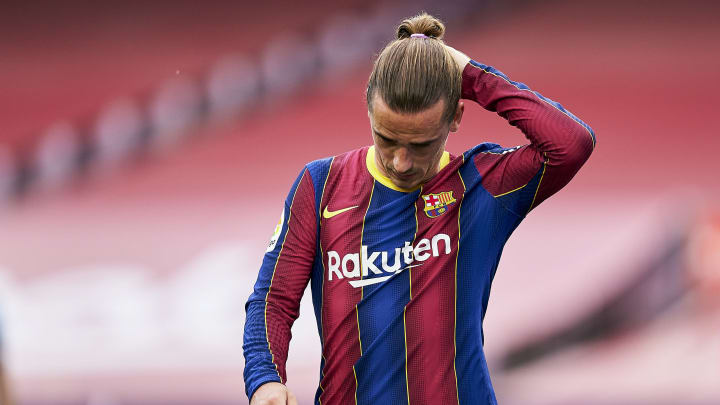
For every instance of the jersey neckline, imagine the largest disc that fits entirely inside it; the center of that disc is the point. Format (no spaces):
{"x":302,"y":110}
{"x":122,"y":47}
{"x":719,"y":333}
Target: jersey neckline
{"x":385,"y":181}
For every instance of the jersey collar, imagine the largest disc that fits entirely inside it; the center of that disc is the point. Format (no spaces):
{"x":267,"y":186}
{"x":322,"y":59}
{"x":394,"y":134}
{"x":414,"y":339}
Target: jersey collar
{"x":385,"y":181}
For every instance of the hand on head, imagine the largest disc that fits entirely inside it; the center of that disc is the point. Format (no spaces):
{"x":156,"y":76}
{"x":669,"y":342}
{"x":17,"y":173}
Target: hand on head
{"x":460,"y":58}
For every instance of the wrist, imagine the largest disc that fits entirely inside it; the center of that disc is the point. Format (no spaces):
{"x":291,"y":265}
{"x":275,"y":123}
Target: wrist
{"x":461,"y":60}
{"x":268,"y":385}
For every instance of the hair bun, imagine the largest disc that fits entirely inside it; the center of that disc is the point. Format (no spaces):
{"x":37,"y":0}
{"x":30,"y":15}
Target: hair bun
{"x":421,"y":24}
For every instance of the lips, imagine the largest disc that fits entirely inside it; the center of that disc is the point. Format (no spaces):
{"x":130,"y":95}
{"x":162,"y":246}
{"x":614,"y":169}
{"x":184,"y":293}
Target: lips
{"x":404,"y":176}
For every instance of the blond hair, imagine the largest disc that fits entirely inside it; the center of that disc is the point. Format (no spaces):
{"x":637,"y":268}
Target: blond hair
{"x":412,"y":73}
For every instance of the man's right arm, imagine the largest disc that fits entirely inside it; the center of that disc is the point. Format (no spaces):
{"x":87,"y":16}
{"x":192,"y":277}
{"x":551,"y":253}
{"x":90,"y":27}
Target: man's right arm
{"x":274,"y":304}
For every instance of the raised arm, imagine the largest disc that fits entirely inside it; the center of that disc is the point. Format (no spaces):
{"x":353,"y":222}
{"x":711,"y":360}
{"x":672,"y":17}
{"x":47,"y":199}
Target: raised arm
{"x":560,"y":143}
{"x":274,"y":304}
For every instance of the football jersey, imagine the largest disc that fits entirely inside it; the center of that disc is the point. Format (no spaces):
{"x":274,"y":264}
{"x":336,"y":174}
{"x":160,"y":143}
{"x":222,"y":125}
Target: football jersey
{"x":401,"y":278}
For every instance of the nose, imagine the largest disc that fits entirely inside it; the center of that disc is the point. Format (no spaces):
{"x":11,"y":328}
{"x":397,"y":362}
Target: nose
{"x":402,"y":163}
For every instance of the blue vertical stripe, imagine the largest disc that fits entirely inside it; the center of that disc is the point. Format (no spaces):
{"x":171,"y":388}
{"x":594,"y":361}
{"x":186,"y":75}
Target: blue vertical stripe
{"x":485,"y":225}
{"x":390,"y":221}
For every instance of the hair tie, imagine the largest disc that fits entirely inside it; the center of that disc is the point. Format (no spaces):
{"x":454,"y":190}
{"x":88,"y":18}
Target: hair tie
{"x":418,"y":36}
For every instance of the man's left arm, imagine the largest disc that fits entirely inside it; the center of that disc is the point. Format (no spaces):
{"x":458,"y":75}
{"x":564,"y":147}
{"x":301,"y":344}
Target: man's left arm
{"x":560,"y":142}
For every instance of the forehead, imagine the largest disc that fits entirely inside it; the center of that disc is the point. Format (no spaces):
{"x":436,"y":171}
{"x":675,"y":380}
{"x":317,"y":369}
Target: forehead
{"x":393,"y":124}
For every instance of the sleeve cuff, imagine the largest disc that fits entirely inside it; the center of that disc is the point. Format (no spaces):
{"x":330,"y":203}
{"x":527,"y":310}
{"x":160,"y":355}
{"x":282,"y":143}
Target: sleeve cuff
{"x":252,"y":387}
{"x":470,"y":77}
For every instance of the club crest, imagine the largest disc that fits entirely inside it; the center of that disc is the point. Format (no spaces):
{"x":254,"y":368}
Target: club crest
{"x":438,"y":204}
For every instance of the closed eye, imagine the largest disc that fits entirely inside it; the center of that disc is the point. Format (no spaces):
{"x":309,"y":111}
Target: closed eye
{"x":384,"y":138}
{"x":422,"y":145}
{"x":388,"y":141}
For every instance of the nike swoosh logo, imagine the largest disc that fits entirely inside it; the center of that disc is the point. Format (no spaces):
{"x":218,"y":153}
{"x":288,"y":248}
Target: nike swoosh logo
{"x":329,"y":214}
{"x":375,"y":280}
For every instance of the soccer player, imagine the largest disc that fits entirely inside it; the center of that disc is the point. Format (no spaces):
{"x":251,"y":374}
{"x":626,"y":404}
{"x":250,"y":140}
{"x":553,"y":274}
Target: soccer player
{"x":400,"y":240}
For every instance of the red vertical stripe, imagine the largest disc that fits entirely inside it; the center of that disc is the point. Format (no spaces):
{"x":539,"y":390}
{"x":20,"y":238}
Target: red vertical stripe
{"x":349,"y":184}
{"x":292,"y":272}
{"x":430,"y":315}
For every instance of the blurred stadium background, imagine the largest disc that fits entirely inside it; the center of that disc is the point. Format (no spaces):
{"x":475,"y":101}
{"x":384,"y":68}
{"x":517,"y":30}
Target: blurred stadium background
{"x":146,"y":149}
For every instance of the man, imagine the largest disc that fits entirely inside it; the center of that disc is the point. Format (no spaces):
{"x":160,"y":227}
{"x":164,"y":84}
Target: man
{"x":401,"y":240}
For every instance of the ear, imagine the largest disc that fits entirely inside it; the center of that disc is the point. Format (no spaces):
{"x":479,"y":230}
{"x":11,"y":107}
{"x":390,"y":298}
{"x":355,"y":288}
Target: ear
{"x":455,"y":124}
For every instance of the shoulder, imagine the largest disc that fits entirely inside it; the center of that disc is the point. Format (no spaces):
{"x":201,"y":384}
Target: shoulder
{"x":489,"y":148}
{"x":353,"y":160}
{"x":321,"y":170}
{"x":488,"y":153}
{"x":504,"y":169}
{"x":316,"y":168}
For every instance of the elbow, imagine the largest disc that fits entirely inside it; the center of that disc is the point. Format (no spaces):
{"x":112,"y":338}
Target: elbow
{"x":592,"y":137}
{"x":575,"y":149}
{"x":581,"y":147}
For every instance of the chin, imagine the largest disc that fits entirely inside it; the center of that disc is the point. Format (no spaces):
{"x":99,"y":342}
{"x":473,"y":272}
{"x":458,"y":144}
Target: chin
{"x":406,"y":183}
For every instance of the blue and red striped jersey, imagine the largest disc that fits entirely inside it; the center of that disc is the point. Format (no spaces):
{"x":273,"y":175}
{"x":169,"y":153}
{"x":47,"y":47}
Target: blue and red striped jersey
{"x":401,"y":279}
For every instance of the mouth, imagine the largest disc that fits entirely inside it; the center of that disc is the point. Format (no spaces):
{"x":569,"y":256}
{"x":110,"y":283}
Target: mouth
{"x":404,"y":177}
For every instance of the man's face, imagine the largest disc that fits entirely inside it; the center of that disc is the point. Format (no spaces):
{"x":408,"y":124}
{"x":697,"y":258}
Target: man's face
{"x":409,"y":146}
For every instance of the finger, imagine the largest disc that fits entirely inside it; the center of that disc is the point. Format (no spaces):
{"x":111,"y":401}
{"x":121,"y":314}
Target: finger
{"x":278,"y":399}
{"x":291,"y":399}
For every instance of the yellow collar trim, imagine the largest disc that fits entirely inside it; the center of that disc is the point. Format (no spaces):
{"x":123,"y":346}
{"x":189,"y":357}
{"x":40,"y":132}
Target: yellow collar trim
{"x":385,"y":181}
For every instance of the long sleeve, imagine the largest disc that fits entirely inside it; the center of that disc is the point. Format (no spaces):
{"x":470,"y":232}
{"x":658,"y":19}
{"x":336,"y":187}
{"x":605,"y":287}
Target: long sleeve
{"x":274,"y":303}
{"x":560,"y":143}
